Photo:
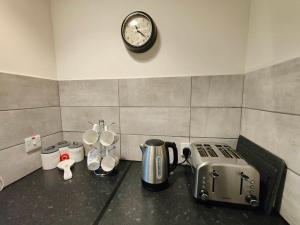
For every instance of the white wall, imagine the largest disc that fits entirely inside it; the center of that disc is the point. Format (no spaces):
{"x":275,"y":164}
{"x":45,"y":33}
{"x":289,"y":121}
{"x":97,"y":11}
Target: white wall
{"x":196,"y":37}
{"x":274,"y":32}
{"x":26,"y":39}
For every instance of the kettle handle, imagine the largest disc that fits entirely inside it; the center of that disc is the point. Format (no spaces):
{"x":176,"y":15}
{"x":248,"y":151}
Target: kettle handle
{"x":175,"y":154}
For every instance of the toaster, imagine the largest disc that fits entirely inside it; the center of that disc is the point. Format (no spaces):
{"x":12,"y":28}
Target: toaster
{"x":220,"y":174}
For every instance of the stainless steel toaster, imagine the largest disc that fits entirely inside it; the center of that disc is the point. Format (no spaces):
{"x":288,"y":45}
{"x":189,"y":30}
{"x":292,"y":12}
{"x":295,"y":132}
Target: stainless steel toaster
{"x":219,"y":173}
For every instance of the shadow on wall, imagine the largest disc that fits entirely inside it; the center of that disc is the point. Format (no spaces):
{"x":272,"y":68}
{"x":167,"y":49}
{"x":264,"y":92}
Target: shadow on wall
{"x":148,"y":55}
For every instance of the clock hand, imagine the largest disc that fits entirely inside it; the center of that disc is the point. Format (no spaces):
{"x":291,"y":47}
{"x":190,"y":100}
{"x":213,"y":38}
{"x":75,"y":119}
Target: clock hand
{"x":141,"y":33}
{"x":137,"y":30}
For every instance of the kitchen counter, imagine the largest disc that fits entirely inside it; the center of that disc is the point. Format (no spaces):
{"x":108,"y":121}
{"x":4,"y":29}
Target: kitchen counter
{"x":134,"y":205}
{"x":43,"y":197}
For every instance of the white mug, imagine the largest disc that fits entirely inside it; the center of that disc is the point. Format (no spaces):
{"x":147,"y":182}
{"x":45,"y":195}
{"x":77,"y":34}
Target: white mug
{"x":108,"y":163}
{"x":108,"y":138}
{"x":90,"y":137}
{"x":93,"y":159}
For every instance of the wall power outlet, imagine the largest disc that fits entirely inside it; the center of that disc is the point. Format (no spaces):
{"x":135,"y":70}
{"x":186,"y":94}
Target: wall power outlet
{"x":32,"y":143}
{"x":182,"y":146}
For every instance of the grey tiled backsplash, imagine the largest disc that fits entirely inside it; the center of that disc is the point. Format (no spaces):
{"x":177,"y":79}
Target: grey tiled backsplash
{"x":89,"y":93}
{"x":172,"y":91}
{"x":275,"y":88}
{"x":217,"y":91}
{"x":277,"y":132}
{"x":215,"y":122}
{"x":19,"y":92}
{"x":77,"y":118}
{"x":18,"y":124}
{"x":271,"y":118}
{"x":27,"y":106}
{"x":171,"y":108}
{"x":155,"y":121}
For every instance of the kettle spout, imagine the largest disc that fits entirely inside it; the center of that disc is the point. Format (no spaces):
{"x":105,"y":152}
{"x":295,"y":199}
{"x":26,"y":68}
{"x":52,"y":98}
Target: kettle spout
{"x":142,"y":147}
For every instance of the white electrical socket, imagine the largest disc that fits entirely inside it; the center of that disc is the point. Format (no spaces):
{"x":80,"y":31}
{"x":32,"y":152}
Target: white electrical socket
{"x":182,"y":146}
{"x":33,"y":143}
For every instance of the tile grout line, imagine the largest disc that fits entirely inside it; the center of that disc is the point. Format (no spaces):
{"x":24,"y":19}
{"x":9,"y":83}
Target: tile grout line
{"x":29,"y":108}
{"x":241,"y":117}
{"x":226,"y":138}
{"x":24,"y":143}
{"x":119,"y":103}
{"x":61,"y":122}
{"x":190,"y":119}
{"x":271,"y":111}
{"x":89,"y":106}
{"x":293,"y":171}
{"x":107,"y":106}
{"x":153,"y":135}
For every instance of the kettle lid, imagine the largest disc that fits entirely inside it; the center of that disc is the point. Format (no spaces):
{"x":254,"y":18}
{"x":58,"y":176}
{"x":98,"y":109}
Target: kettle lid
{"x":154,"y":142}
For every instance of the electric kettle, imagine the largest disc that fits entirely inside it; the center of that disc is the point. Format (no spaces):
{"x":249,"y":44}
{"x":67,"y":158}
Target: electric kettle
{"x":156,"y":165}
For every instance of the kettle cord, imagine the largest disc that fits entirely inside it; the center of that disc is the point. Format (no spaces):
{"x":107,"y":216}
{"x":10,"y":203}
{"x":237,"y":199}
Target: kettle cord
{"x":182,"y":162}
{"x":186,"y":153}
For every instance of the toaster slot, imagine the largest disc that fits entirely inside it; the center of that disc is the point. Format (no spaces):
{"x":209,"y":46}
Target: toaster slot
{"x":232,"y":152}
{"x":224,"y":151}
{"x":210,"y":150}
{"x":227,"y":151}
{"x":201,"y":151}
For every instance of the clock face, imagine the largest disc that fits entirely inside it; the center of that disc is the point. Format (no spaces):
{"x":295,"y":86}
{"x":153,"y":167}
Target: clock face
{"x":138,"y":32}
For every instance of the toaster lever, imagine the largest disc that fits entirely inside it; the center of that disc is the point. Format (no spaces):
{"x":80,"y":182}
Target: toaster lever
{"x":244,"y":176}
{"x":215,"y":174}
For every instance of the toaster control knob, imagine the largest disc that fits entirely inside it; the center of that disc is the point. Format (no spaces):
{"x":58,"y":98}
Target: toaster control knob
{"x":203,"y":195}
{"x":251,"y":199}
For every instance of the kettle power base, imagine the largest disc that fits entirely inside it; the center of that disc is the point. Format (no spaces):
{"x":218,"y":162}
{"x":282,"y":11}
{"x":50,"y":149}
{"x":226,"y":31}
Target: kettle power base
{"x":155,"y":187}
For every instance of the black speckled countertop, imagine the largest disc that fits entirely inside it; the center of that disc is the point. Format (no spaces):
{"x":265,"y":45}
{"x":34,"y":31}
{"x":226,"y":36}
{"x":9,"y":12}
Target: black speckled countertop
{"x":133,"y":205}
{"x":43,"y":197}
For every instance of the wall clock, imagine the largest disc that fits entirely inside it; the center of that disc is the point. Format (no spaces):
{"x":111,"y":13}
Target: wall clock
{"x":138,"y":32}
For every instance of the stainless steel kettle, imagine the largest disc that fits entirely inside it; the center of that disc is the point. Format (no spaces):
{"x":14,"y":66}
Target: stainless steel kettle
{"x":156,"y":166}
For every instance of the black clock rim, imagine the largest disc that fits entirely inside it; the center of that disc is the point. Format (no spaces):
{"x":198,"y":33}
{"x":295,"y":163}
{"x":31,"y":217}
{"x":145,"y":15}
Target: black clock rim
{"x":151,"y":40}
